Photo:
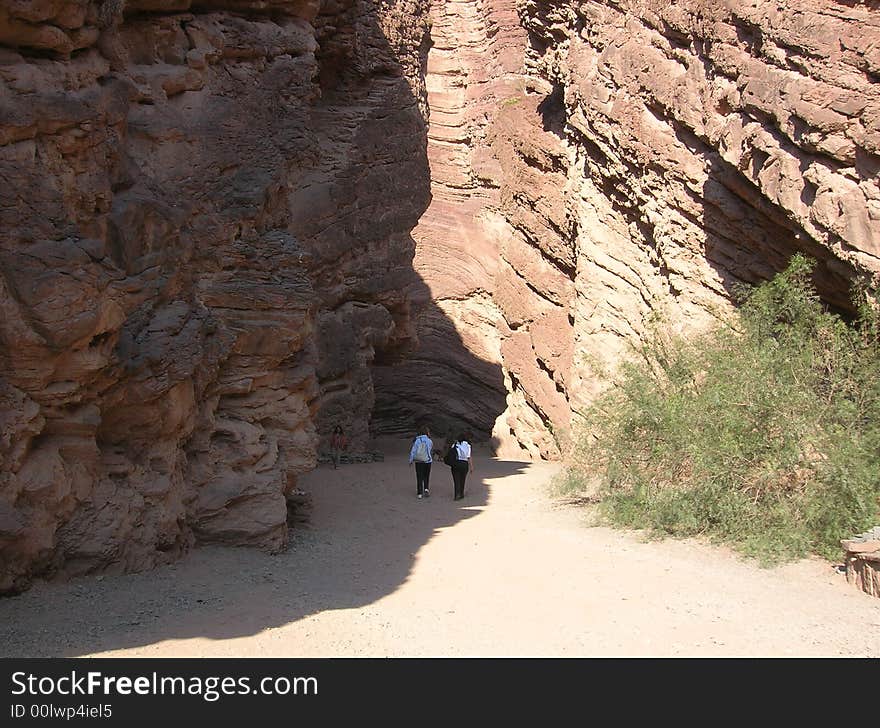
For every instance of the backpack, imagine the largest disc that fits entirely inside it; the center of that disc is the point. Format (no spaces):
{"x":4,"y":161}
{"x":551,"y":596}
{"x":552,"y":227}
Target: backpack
{"x":421,"y":455}
{"x":451,"y":456}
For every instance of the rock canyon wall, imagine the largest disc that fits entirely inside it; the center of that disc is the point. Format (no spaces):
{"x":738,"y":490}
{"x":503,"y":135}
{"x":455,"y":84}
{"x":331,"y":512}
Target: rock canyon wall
{"x":598,"y":167}
{"x":206,"y":213}
{"x":228,"y":225}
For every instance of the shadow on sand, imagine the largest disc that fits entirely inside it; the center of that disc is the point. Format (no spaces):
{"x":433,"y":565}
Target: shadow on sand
{"x":367,"y":524}
{"x":366,"y":530}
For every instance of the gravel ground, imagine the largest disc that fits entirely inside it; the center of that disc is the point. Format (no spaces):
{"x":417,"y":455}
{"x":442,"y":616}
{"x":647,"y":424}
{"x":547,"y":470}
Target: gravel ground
{"x":505,"y":572}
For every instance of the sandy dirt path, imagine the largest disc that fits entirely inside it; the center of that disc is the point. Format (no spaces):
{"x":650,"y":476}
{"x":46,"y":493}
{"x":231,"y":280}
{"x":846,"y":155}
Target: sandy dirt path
{"x":505,"y":572}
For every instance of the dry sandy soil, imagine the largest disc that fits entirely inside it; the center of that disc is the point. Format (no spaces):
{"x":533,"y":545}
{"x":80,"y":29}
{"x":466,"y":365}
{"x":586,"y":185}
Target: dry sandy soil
{"x":507,"y":571}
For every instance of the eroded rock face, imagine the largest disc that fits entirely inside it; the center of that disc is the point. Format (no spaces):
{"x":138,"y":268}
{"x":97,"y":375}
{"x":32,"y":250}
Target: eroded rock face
{"x":624,"y":162}
{"x":455,"y":380}
{"x":206,"y":212}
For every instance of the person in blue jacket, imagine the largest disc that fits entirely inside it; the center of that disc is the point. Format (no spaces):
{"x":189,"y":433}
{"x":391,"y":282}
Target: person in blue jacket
{"x":420,"y":456}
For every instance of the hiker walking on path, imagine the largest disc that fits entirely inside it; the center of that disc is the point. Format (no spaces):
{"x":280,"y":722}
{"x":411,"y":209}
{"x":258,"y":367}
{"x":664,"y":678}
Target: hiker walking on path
{"x":338,"y":443}
{"x":420,"y":455}
{"x":461,"y":463}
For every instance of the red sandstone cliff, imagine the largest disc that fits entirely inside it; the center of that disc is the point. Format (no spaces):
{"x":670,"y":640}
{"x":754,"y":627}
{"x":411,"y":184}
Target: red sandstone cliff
{"x":205,"y":218}
{"x":600,"y":165}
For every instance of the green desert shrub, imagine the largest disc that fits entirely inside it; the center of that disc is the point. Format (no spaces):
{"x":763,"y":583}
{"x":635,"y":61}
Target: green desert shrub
{"x":763,"y":434}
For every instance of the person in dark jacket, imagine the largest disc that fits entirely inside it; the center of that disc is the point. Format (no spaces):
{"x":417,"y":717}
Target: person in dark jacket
{"x":462,"y":464}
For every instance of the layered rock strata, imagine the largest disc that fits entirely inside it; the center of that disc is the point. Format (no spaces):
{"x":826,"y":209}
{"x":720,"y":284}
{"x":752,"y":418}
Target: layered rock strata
{"x":490,"y":358}
{"x":622,"y":164}
{"x":205,"y":212}
{"x":453,"y":380}
{"x":710,"y":141}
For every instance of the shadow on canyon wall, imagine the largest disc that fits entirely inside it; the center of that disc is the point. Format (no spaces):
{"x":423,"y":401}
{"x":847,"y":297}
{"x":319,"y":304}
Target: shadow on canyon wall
{"x":749,"y":239}
{"x":389,"y":357}
{"x":440,"y":383}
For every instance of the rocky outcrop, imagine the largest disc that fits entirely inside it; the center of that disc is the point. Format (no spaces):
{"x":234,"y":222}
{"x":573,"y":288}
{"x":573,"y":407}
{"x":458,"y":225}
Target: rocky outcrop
{"x":625,"y":163}
{"x":710,"y":141}
{"x":206,"y":211}
{"x":862,"y":561}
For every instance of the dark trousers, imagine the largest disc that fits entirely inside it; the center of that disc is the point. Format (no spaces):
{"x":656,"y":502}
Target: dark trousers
{"x":459,"y":473}
{"x":423,"y":474}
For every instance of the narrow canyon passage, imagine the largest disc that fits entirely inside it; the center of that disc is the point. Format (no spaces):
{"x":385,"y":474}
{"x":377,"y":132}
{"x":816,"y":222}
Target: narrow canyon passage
{"x":232,"y":226}
{"x":507,"y":572}
{"x":231,"y":229}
